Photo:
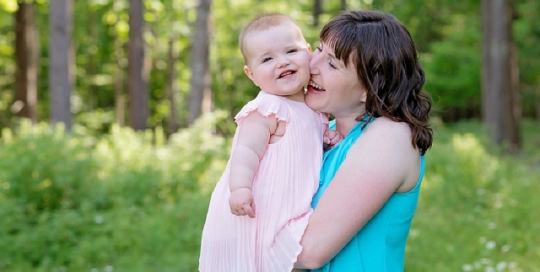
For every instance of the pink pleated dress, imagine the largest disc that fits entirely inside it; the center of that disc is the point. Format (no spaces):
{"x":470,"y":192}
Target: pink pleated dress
{"x":287,"y":179}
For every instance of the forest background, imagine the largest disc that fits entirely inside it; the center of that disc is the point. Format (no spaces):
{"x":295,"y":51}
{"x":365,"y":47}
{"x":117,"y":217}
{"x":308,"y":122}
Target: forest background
{"x":107,"y":161}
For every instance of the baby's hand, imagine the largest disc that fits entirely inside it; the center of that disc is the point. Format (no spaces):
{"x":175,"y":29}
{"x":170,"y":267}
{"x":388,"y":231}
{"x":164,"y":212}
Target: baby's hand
{"x":331,"y":138}
{"x":241,"y":202}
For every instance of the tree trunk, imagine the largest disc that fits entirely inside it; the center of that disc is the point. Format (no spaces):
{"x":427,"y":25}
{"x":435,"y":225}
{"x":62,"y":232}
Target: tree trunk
{"x":499,"y":76}
{"x":515,"y":115}
{"x":119,"y":96}
{"x":172,"y":88}
{"x":317,"y":11}
{"x":61,"y":25}
{"x":138,"y":89}
{"x":200,"y":91}
{"x":26,"y":54}
{"x":343,"y":4}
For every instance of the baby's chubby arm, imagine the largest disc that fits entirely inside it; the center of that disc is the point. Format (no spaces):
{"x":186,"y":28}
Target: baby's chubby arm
{"x":252,"y":139}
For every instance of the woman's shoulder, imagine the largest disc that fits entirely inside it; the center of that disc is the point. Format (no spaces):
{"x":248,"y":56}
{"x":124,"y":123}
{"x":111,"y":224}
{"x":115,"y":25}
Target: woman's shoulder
{"x":391,"y":142}
{"x":391,"y":128}
{"x":388,"y":136}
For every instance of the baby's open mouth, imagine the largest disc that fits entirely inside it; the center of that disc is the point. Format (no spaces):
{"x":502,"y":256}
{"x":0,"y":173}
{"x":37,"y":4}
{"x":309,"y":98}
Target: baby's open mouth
{"x":286,"y":73}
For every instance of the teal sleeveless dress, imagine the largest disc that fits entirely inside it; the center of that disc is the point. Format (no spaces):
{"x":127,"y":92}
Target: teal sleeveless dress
{"x":380,"y":244}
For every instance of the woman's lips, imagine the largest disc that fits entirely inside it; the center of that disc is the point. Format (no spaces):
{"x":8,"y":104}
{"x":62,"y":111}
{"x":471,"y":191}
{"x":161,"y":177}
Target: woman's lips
{"x":314,"y":87}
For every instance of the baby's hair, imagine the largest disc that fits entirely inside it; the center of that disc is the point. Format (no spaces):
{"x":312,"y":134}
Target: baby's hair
{"x":260,"y":22}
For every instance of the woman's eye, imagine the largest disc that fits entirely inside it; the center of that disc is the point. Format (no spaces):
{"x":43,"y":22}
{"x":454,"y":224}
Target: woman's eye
{"x":319,"y":48}
{"x":333,"y":66}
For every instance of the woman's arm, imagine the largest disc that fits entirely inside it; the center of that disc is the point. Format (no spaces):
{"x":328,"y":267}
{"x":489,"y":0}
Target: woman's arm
{"x":381,"y":162}
{"x":252,"y":139}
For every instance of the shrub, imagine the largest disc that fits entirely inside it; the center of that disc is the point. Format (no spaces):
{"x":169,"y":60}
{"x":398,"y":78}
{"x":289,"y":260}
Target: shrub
{"x":126,"y":201}
{"x":45,"y":169}
{"x":476,"y":207}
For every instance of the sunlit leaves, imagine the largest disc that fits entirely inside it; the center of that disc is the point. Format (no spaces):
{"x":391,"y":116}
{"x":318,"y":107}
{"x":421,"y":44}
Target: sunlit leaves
{"x":9,"y":5}
{"x":99,"y":2}
{"x":123,"y":201}
{"x":446,"y":32}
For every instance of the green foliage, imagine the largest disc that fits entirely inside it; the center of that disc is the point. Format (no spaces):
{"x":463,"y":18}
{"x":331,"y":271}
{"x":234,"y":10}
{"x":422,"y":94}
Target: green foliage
{"x":6,"y":64}
{"x":446,"y":32}
{"x":130,"y":201}
{"x":453,"y":67}
{"x":45,"y":170}
{"x":127,"y":201}
{"x":476,"y":208}
{"x":527,"y":36}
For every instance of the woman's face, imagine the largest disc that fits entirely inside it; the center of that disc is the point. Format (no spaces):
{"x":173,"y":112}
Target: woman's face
{"x":334,"y":88}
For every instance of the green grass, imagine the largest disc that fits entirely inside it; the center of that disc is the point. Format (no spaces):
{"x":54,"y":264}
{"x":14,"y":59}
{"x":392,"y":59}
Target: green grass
{"x":129,"y":202}
{"x":478,"y":208}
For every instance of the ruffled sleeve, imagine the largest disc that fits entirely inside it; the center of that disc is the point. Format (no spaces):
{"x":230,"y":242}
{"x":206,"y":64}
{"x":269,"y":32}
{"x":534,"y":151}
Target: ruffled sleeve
{"x":266,"y":104}
{"x":324,"y":119}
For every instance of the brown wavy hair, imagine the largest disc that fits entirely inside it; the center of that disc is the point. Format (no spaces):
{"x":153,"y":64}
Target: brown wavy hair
{"x":386,"y":61}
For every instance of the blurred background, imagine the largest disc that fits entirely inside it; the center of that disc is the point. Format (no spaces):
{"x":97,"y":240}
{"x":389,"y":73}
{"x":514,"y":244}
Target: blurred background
{"x":117,"y":118}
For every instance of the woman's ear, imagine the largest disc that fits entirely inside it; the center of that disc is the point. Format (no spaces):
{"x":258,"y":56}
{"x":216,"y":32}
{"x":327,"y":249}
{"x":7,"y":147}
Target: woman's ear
{"x":363,"y":97}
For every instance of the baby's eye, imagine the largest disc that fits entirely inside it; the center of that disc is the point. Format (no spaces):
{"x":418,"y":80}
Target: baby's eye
{"x":292,"y":51}
{"x":266,"y":59}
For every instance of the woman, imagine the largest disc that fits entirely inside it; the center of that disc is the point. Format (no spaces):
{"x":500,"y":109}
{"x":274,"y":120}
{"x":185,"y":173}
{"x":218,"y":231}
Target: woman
{"x":366,"y":73}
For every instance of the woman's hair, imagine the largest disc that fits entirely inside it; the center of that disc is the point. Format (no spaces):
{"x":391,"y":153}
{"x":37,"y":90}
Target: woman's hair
{"x":386,"y":61}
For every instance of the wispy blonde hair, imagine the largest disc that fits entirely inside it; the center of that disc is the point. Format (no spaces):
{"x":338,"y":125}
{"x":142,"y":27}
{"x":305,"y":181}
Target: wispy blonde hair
{"x":262,"y":21}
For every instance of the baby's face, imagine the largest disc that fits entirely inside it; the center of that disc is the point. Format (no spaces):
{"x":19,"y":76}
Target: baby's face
{"x":278,"y":59}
